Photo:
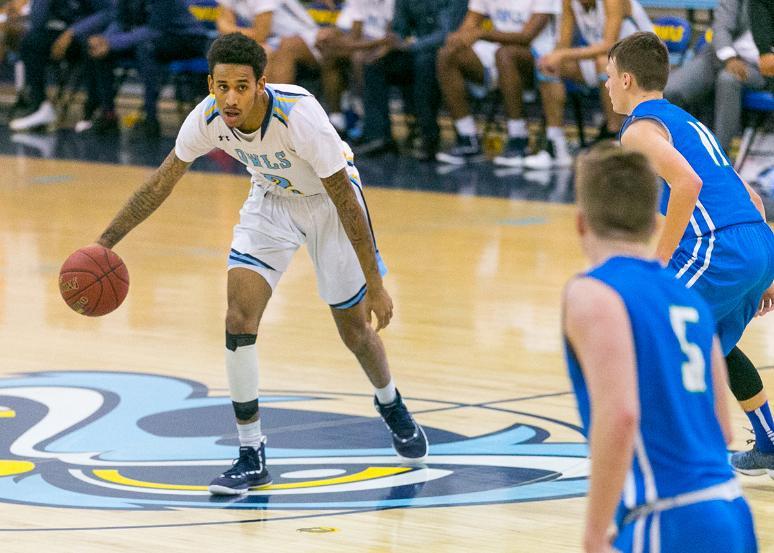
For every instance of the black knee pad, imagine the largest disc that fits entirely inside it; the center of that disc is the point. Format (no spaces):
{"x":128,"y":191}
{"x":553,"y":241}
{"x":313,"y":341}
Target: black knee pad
{"x":245,"y":410}
{"x":234,"y":341}
{"x":743,"y":377}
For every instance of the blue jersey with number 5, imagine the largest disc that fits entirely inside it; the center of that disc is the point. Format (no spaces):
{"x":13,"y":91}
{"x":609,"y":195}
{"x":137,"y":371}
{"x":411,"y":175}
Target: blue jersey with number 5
{"x":679,"y":445}
{"x":723,"y":199}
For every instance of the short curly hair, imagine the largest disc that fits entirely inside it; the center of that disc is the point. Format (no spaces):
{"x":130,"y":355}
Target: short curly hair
{"x":237,"y":49}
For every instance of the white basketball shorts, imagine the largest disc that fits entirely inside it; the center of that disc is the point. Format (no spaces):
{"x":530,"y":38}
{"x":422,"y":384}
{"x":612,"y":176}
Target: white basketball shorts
{"x":272,"y":227}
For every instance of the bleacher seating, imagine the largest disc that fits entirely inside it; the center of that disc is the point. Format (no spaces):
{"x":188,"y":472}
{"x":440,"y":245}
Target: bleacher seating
{"x":676,"y":33}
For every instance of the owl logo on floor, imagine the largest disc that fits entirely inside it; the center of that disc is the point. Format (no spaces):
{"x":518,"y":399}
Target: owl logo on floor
{"x":111,"y":440}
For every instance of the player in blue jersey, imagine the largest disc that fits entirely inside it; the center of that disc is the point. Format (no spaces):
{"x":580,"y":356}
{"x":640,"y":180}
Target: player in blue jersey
{"x":715,"y":238}
{"x":649,"y":376}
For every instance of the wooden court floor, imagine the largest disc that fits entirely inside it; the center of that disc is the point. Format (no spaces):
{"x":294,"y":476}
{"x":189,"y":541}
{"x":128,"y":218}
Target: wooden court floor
{"x":111,"y":427}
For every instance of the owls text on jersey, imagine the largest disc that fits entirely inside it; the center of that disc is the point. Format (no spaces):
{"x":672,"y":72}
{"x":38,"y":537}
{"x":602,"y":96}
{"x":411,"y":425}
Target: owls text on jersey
{"x":295,"y":147}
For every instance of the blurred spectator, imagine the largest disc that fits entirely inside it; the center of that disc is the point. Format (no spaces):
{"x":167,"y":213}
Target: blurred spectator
{"x":58,"y":31}
{"x":283,"y":27}
{"x":361,"y":28}
{"x":722,"y":70}
{"x":409,"y":56}
{"x":600,"y":23}
{"x":503,"y":58}
{"x":149,"y":33}
{"x":13,"y":25}
{"x":762,"y":23}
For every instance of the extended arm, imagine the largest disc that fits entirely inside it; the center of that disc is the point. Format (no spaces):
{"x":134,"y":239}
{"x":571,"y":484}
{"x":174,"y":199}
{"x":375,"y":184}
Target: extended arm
{"x":598,"y":328}
{"x":648,"y":137}
{"x":145,"y":200}
{"x":354,"y":221}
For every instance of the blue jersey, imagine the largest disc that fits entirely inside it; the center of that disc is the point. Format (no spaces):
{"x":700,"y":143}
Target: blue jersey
{"x":679,"y":446}
{"x":723,"y":199}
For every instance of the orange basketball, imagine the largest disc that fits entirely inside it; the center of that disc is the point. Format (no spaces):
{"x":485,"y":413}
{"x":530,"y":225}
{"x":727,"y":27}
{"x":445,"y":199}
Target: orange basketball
{"x":93,"y":281}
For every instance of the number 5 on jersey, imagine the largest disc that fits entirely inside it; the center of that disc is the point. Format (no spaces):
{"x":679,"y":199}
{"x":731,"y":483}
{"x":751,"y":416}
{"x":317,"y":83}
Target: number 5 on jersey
{"x":694,"y":367}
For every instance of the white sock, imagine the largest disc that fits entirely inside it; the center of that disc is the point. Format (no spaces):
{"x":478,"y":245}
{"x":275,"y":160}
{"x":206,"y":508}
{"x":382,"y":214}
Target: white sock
{"x":556,"y":135}
{"x":387,"y":394}
{"x":19,"y":76}
{"x":250,"y":434}
{"x":466,"y":126}
{"x":517,"y":128}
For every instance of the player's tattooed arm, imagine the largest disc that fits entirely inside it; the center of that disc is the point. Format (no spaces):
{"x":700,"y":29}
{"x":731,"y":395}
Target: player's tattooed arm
{"x":354,"y":221}
{"x":145,"y":200}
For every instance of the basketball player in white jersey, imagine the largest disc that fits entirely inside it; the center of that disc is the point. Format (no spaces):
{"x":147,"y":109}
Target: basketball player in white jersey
{"x":600,"y":23}
{"x":504,"y":58}
{"x":305,"y":189}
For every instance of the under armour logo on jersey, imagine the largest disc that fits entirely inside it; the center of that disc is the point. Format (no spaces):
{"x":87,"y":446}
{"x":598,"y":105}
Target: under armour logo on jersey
{"x":222,"y":137}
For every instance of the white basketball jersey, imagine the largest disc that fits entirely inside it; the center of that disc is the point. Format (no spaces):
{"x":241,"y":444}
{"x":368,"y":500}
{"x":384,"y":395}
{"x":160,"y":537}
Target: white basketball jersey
{"x":289,"y":17}
{"x":295,"y":147}
{"x":510,"y":16}
{"x":376,"y":15}
{"x":591,"y":23}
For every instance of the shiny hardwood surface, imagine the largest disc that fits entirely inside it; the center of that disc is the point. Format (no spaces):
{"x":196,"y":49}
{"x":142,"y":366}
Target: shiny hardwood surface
{"x":476,"y":284}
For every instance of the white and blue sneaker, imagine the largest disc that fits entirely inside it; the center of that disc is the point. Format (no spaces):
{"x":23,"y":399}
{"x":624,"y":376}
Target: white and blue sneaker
{"x":249,"y":471}
{"x":408,"y":438}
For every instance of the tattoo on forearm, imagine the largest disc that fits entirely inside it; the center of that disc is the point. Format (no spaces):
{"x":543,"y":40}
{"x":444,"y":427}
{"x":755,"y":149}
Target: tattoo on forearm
{"x":145,"y":200}
{"x":353,"y":220}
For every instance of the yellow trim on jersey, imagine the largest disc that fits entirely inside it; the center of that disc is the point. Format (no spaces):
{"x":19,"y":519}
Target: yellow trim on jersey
{"x":279,"y":99}
{"x":212,"y":107}
{"x":281,"y":114}
{"x":368,"y":474}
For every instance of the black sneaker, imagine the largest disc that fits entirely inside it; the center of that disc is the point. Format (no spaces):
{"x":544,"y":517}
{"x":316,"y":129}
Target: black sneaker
{"x":408,"y":438}
{"x":467,"y":148}
{"x":247,"y":472}
{"x":514,"y":153}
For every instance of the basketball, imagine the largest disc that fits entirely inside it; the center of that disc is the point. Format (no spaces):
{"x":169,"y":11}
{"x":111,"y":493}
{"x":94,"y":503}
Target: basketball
{"x":93,"y":281}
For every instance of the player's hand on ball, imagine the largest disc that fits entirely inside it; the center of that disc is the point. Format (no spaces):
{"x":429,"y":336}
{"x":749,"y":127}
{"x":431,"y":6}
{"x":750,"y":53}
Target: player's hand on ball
{"x":767,"y":302}
{"x":378,"y":301}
